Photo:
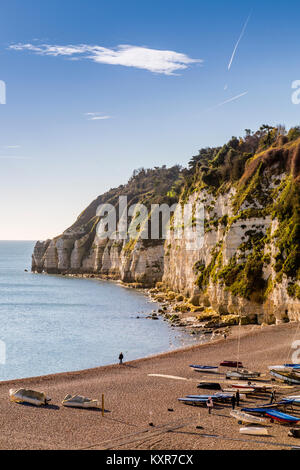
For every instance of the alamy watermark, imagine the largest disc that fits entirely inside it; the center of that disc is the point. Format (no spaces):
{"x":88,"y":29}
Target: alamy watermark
{"x":2,"y":353}
{"x":2,"y":92}
{"x":159,"y":222}
{"x":296,"y":354}
{"x":296,"y":93}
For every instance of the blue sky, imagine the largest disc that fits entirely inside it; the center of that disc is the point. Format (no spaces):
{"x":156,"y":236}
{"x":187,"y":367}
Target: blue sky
{"x":76,"y":125}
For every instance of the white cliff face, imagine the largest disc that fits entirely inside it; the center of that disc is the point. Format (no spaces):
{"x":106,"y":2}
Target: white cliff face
{"x":142,"y":264}
{"x":180,"y":274}
{"x":176,"y":262}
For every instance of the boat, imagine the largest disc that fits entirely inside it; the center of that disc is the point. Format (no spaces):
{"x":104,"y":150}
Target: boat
{"x":254,"y":431}
{"x":204,"y":368}
{"x":292,"y":397}
{"x":31,"y":397}
{"x":247,"y":418}
{"x":282,"y":417}
{"x":232,"y":364}
{"x":255,"y":386}
{"x":289,"y":377}
{"x":291,"y":401}
{"x":223,"y":397}
{"x":243,"y":393}
{"x":193,"y":401}
{"x":261,"y":410}
{"x":286,"y":368}
{"x":209,"y":386}
{"x":78,"y":401}
{"x":242,"y":375}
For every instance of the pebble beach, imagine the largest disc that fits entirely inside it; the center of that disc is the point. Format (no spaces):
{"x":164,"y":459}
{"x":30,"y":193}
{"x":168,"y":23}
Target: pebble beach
{"x":137,"y":395}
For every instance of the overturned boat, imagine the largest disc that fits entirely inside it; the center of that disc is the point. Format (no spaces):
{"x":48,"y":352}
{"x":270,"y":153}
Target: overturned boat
{"x":247,"y":418}
{"x":288,"y":377}
{"x":242,"y":375}
{"x":282,"y":417}
{"x":31,"y":397}
{"x":209,"y":386}
{"x":254,"y":431}
{"x":231,"y":364}
{"x":204,"y":368}
{"x":78,"y":401}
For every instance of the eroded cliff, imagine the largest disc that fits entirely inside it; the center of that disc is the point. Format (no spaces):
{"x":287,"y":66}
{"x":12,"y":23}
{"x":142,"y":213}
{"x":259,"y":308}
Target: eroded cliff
{"x":249,"y":263}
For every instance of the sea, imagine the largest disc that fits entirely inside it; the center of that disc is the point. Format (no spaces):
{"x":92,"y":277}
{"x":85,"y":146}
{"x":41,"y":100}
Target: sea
{"x":51,"y":324}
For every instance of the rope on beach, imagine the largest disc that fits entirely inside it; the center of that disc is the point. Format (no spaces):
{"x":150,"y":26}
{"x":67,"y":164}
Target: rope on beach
{"x":144,"y":434}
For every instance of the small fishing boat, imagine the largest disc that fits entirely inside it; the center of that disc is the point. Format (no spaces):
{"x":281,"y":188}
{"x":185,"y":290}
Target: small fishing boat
{"x":247,"y":418}
{"x":28,"y":396}
{"x":204,"y":368}
{"x":292,"y":397}
{"x":291,"y":401}
{"x":209,"y":386}
{"x":243,"y":393}
{"x":285,"y":368}
{"x":282,"y":417}
{"x":78,"y":401}
{"x":193,"y":401}
{"x":254,"y":431}
{"x":256,"y":386}
{"x":242,"y":375}
{"x":261,"y":410}
{"x":222,"y":397}
{"x":289,"y":377}
{"x":232,"y":364}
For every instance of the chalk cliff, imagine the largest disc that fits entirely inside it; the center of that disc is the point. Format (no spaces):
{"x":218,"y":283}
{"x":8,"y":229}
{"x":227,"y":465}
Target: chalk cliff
{"x":249,"y":263}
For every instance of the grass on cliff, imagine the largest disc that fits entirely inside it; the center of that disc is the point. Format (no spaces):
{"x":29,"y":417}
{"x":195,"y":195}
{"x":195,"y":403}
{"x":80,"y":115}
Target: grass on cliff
{"x":267,"y":183}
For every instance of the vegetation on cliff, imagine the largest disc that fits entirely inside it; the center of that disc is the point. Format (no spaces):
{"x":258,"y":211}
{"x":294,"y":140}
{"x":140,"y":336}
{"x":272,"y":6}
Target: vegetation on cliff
{"x":263,"y":170}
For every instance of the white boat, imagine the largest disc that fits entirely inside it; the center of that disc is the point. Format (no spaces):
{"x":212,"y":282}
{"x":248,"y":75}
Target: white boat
{"x":289,"y":377}
{"x":246,"y":418}
{"x":242,"y":375}
{"x":254,"y":431}
{"x":283,"y":368}
{"x":292,"y":397}
{"x":243,"y":392}
{"x":78,"y":401}
{"x":31,"y":397}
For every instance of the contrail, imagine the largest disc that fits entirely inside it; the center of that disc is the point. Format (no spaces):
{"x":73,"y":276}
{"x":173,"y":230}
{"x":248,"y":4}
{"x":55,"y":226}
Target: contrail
{"x":229,"y":101}
{"x":239,"y":40}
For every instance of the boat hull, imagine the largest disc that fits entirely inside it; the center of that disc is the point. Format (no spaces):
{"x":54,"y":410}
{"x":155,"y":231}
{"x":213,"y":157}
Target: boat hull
{"x":254,"y":431}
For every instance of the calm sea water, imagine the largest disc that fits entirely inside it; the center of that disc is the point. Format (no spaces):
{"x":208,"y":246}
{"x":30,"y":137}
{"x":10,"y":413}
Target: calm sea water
{"x":53,"y":324}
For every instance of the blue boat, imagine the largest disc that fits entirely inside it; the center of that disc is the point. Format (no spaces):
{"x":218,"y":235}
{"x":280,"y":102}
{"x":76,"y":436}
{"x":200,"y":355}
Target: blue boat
{"x":217,"y":396}
{"x":261,"y":410}
{"x":282,"y":417}
{"x":204,"y":368}
{"x":193,"y":401}
{"x":292,"y":366}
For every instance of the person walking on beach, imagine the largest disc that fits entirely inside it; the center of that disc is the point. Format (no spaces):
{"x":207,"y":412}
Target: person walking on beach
{"x":233,"y":402}
{"x":210,"y":405}
{"x":237,"y":397}
{"x":272,"y":397}
{"x":121,"y":357}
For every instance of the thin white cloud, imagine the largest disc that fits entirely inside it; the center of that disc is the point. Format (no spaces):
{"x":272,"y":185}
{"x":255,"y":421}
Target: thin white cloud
{"x":154,"y":60}
{"x":12,"y":146}
{"x":96,"y":116}
{"x":229,"y":101}
{"x":238,"y":42}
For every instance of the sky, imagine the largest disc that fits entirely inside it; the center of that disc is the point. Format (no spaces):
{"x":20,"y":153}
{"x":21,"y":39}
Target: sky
{"x":98,"y":88}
